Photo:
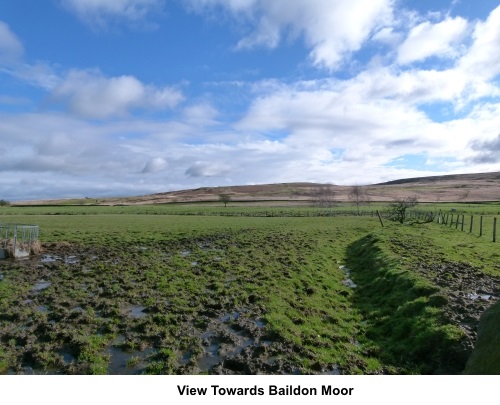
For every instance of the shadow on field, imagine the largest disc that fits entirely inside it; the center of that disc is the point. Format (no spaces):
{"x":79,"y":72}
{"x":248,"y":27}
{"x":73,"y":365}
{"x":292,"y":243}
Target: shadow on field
{"x":404,"y":313}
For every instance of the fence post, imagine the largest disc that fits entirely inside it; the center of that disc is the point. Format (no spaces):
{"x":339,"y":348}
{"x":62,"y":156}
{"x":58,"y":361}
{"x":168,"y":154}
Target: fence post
{"x":463,"y":216}
{"x":471,"y":220}
{"x":456,"y":223}
{"x":481,"y":226}
{"x":380,"y":218}
{"x":451,"y":221}
{"x":494,"y":229}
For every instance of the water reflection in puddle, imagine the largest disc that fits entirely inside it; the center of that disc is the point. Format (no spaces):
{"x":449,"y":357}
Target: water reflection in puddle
{"x":136,"y":311}
{"x":229,"y":317}
{"x":41,"y":285}
{"x":474,"y":296}
{"x":127,"y":362}
{"x":49,"y":259}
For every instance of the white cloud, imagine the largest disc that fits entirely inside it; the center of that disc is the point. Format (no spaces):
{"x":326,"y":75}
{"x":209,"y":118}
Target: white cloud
{"x":99,"y":12}
{"x":92,"y":95}
{"x":11,"y":48}
{"x":156,"y":164}
{"x":201,"y":114}
{"x":388,"y":36}
{"x":482,"y":60}
{"x":427,"y":39}
{"x":208,"y":169}
{"x":332,"y":29}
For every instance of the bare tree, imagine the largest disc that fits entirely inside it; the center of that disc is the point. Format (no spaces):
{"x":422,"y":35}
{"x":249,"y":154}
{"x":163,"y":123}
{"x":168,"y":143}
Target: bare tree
{"x":358,"y":196}
{"x":324,"y":197}
{"x":224,"y":198}
{"x":400,"y":205}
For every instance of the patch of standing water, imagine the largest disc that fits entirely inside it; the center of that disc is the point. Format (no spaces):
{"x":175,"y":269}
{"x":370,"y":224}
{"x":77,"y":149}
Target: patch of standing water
{"x":334,"y":371}
{"x":229,"y":317}
{"x":136,"y":311}
{"x":71,"y":260}
{"x":259,"y":323}
{"x":41,"y":285}
{"x":348,"y":282}
{"x":474,"y":296}
{"x":210,"y":357}
{"x":121,"y":362}
{"x":49,"y":259}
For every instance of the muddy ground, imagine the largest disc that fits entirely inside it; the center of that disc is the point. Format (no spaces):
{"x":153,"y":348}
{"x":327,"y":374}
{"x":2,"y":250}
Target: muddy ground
{"x":71,"y":317}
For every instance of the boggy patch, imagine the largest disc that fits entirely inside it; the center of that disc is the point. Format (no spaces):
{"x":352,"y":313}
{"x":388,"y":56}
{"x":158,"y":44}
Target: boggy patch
{"x":466,"y":293}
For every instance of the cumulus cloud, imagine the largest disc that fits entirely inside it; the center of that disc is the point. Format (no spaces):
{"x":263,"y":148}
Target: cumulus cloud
{"x":11,"y":48}
{"x":481,"y":59}
{"x":207,"y":169}
{"x":332,"y":29}
{"x":156,"y":164}
{"x":92,"y":95}
{"x":427,"y":39}
{"x":99,"y":12}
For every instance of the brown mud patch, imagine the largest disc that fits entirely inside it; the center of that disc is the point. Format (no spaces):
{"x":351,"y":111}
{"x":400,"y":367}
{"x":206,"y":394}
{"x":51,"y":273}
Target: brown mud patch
{"x":87,"y":310}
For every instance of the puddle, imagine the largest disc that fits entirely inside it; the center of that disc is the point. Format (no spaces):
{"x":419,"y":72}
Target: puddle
{"x":207,"y":334}
{"x":234,"y":351}
{"x":77,"y":309}
{"x":49,"y":259}
{"x":334,"y":371}
{"x":207,"y":361}
{"x":32,"y":371}
{"x":474,"y":296}
{"x":136,"y":311}
{"x":68,"y":358}
{"x":71,"y":260}
{"x":41,"y":285}
{"x":229,"y":317}
{"x":259,"y":323}
{"x":127,"y":362}
{"x":349,"y":283}
{"x":185,"y":358}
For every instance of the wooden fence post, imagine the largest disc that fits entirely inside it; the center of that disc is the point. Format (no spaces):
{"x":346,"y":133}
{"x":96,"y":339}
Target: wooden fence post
{"x":456,"y":223}
{"x":380,"y":218}
{"x":451,"y":221}
{"x":463,"y":217}
{"x":494,"y":229}
{"x":481,"y":226}
{"x":471,"y":221}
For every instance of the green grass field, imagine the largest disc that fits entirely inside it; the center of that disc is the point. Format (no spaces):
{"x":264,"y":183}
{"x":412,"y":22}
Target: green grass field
{"x":203,"y":289}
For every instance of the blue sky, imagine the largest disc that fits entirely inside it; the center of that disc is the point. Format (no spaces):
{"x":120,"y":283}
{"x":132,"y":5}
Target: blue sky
{"x":128,"y":97}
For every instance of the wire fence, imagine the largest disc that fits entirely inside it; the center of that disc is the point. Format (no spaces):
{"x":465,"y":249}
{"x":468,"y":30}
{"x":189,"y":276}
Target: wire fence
{"x":18,"y":240}
{"x":480,"y":225}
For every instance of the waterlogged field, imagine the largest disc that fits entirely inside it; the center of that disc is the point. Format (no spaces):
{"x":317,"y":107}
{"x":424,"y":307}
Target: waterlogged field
{"x":140,"y":290}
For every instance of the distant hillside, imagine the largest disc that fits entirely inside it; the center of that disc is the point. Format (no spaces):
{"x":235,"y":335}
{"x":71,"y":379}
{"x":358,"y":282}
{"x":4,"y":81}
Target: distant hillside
{"x":460,"y":178}
{"x":454,"y":188}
